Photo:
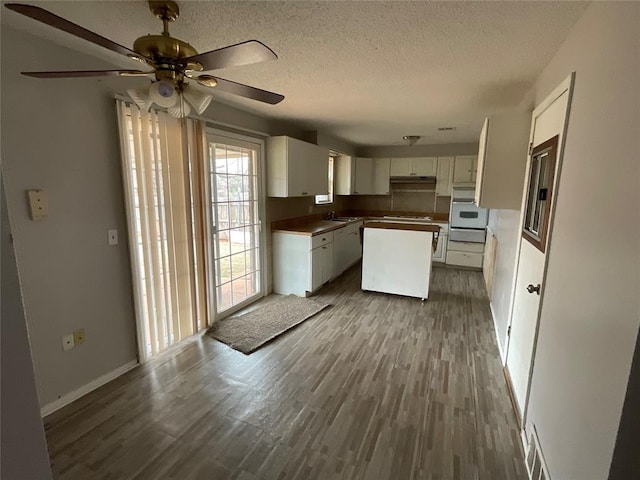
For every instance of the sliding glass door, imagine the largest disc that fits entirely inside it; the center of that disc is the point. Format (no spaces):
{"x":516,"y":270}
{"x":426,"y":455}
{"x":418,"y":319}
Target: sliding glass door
{"x":235,"y":226}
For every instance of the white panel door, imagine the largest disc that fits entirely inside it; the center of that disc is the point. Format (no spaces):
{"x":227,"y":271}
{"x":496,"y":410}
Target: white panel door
{"x":548,"y":121}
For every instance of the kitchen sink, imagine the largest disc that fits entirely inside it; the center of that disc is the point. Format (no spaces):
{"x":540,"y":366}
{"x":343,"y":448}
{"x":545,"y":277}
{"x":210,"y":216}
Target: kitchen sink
{"x":346,"y":219}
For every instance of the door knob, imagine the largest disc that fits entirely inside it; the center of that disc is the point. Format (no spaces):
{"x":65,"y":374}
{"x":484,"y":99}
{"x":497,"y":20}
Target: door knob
{"x":531,"y":289}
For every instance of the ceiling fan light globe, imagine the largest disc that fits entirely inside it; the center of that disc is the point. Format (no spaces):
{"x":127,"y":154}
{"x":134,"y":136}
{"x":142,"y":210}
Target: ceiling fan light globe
{"x":198,"y":100}
{"x":141,"y":97}
{"x":163,"y":94}
{"x":179,"y":110}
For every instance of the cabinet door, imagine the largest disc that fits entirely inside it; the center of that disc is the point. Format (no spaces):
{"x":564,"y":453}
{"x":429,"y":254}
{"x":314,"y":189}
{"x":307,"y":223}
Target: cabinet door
{"x":354,"y":247}
{"x":340,"y":251}
{"x":317,"y":258}
{"x":482,"y":152}
{"x":297,"y":168}
{"x":464,"y":170}
{"x":425,"y":167}
{"x":401,"y":167}
{"x":318,"y":170}
{"x":327,"y":262}
{"x":443,"y":176}
{"x":364,"y":176}
{"x":381,"y":168}
{"x":344,"y":170}
{"x":440,"y":254}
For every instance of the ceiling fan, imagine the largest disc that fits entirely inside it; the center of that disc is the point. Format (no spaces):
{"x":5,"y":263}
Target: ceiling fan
{"x":172,"y":61}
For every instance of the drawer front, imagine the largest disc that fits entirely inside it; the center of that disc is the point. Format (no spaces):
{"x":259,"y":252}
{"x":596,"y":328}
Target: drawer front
{"x":464,"y":259}
{"x":321,"y":239}
{"x":467,"y":235}
{"x":470,"y":247}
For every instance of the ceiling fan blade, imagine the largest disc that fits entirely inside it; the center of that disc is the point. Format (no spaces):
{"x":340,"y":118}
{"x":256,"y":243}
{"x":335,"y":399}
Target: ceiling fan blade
{"x":60,"y":23}
{"x":87,"y":73}
{"x":241,"y":89}
{"x":245,"y":53}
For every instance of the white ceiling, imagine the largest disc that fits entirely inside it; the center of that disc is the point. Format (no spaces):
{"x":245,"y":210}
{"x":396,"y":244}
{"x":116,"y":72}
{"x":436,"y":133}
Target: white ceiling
{"x":366,"y":72}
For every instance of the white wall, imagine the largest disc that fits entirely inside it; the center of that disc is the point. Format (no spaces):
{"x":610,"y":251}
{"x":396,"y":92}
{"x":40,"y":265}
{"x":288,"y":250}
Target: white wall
{"x":61,"y":136}
{"x":590,"y":314}
{"x":23,"y":453}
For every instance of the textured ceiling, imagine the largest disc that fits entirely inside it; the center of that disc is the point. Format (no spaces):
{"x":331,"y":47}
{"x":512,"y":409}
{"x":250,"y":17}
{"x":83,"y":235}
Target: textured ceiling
{"x":366,"y":72}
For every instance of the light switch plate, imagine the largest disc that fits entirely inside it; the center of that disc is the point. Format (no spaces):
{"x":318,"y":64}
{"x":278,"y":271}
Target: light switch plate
{"x":113,"y":237}
{"x":38,"y":207}
{"x":78,"y":336}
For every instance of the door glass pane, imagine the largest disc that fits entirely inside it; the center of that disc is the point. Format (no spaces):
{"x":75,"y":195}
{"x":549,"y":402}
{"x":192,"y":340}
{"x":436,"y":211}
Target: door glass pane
{"x":235,"y":212}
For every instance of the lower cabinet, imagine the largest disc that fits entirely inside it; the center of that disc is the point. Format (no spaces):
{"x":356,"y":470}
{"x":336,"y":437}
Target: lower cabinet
{"x":465,"y":254}
{"x":347,"y":248}
{"x":321,"y":265}
{"x":303,"y":263}
{"x":440,"y":254}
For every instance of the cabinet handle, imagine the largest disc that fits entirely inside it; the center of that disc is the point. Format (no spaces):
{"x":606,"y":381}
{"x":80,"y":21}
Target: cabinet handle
{"x":324,"y":248}
{"x":324,"y":239}
{"x":305,"y":193}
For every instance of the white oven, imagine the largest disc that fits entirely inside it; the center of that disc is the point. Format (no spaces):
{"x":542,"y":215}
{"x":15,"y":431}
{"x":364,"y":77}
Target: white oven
{"x":464,"y":214}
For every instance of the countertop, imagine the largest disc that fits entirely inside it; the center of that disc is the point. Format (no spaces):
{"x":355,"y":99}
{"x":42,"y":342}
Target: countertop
{"x":317,"y":227}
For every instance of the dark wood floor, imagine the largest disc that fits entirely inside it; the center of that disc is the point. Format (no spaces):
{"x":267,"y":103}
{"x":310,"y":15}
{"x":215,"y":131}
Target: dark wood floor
{"x":374,"y":387}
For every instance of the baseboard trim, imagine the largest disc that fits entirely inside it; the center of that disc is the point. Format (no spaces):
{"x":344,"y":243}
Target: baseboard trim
{"x":495,"y":329}
{"x":89,"y":387}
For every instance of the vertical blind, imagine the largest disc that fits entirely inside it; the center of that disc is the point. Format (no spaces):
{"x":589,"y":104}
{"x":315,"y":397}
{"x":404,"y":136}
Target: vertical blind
{"x":162,"y":163}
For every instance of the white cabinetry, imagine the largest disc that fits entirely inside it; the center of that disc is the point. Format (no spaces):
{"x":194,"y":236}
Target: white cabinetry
{"x":371,"y":176}
{"x":502,"y":157}
{"x":347,"y":248}
{"x":344,"y":169}
{"x":321,"y":265}
{"x":444,"y":176}
{"x":301,"y":263}
{"x":421,"y":167}
{"x":440,"y":255}
{"x":465,"y":254}
{"x":296,"y":168}
{"x":464,"y":171}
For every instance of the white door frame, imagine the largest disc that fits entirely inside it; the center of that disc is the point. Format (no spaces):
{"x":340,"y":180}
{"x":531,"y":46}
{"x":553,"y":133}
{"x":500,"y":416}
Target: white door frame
{"x":565,"y":86}
{"x":261,"y":194}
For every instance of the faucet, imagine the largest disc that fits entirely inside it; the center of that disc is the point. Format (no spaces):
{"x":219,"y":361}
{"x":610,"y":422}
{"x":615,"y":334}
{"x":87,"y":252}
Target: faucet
{"x":331,"y":215}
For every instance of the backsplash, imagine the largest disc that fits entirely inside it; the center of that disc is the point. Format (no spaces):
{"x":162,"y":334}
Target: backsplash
{"x":427,"y":202}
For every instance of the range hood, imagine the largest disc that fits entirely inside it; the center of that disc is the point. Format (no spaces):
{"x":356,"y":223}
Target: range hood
{"x":428,"y":180}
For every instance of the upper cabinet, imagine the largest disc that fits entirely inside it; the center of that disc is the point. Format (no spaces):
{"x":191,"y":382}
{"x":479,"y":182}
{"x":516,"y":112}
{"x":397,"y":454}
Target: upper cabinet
{"x":502,"y":158}
{"x":371,"y":176}
{"x":421,"y":167}
{"x":444,"y":176}
{"x":296,"y":168}
{"x":361,"y":176}
{"x":464,"y":171}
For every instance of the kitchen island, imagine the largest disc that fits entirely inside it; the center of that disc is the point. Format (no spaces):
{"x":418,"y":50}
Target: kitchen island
{"x":397,"y":257}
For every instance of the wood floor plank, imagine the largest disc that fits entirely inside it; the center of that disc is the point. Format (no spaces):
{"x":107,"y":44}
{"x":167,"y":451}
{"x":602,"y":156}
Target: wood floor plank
{"x":375,"y":387}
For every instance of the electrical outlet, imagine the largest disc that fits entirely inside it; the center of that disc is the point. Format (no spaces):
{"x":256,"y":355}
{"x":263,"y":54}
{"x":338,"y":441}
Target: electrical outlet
{"x":113,"y":237}
{"x":78,"y":336}
{"x":67,"y":342}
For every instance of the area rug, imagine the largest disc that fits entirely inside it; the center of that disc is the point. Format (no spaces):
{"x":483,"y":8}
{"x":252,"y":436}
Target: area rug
{"x":250,"y":331}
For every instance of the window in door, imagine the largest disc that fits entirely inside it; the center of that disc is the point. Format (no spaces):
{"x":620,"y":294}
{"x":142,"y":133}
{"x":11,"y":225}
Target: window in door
{"x":538,"y":206}
{"x":327,"y":199}
{"x":235,"y":222}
